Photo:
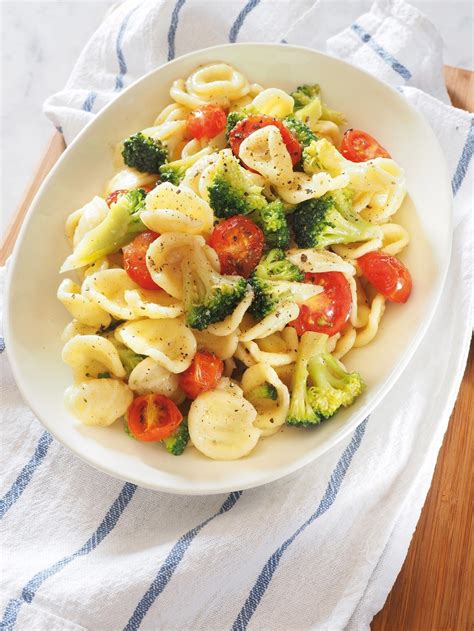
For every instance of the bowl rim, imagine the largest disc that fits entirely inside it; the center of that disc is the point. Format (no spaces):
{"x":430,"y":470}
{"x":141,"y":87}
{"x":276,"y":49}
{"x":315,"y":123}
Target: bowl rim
{"x":276,"y":473}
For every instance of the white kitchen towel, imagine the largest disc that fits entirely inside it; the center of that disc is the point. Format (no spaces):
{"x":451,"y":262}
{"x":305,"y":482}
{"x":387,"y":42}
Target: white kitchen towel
{"x":318,"y":550}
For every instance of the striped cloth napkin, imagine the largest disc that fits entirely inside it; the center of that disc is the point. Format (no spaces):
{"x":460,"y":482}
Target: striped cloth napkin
{"x":317,"y":550}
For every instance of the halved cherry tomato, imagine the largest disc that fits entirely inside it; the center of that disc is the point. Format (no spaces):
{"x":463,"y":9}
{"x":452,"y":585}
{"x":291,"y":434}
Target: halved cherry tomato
{"x":247,"y":126}
{"x":387,"y":274}
{"x":112,"y":198}
{"x":206,"y":121}
{"x":153,"y":417}
{"x":134,"y":259}
{"x":328,"y":311}
{"x":359,"y":146}
{"x":239,"y":245}
{"x":203,"y":374}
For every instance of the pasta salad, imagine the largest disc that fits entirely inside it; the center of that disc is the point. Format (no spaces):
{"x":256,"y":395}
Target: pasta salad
{"x":243,"y":247}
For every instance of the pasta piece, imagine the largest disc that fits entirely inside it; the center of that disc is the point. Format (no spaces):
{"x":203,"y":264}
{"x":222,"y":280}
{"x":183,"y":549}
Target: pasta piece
{"x":107,"y":289}
{"x":76,"y":328}
{"x":129,"y":179}
{"x":278,"y":349}
{"x":172,"y":112}
{"x":149,"y":377}
{"x":179,"y":94}
{"x":285,"y":373}
{"x":273,"y":322}
{"x":165,"y":255}
{"x":171,"y":208}
{"x":152,"y":304}
{"x":345,"y":342}
{"x":217,"y":83}
{"x":395,"y":238}
{"x":98,"y":266}
{"x":80,"y":307}
{"x":271,"y":414}
{"x":367,"y":334}
{"x":98,"y":401}
{"x":221,"y":426}
{"x":92,"y":355}
{"x":360,"y":309}
{"x":230,"y":324}
{"x":197,"y":176}
{"x":328,"y":130}
{"x":169,"y":342}
{"x":223,"y":346}
{"x":273,"y":102}
{"x":229,"y":366}
{"x":303,"y":186}
{"x":83,"y":220}
{"x":354,"y":250}
{"x":265,"y":152}
{"x":311,"y":260}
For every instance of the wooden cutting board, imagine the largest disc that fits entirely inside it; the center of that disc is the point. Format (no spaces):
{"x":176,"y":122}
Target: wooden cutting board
{"x":433,"y":590}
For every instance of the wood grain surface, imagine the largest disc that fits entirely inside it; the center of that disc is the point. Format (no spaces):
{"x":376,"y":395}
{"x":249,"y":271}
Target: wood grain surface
{"x":433,"y":591}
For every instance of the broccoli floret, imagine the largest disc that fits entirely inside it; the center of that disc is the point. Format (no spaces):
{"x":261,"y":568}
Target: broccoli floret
{"x":120,"y":225}
{"x":273,"y":223}
{"x":321,"y":155}
{"x":301,"y":412}
{"x":275,"y":266}
{"x":333,"y":386}
{"x":321,"y":384}
{"x":144,"y":153}
{"x":299,"y":129}
{"x":175,"y":171}
{"x":329,"y":220}
{"x":309,"y":106}
{"x":265,"y":390}
{"x":232,"y":119}
{"x":127,"y":430}
{"x":269,"y":294}
{"x":231,"y":191}
{"x":209,"y":297}
{"x":176,"y":443}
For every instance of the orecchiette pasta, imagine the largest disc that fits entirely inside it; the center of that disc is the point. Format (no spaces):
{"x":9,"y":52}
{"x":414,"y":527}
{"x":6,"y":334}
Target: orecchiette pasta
{"x":80,"y":307}
{"x":169,"y":342}
{"x":265,"y":152}
{"x":148,"y":377}
{"x":166,"y":327}
{"x":174,"y":209}
{"x":98,"y":401}
{"x":271,"y":411}
{"x":92,"y":355}
{"x":221,"y":425}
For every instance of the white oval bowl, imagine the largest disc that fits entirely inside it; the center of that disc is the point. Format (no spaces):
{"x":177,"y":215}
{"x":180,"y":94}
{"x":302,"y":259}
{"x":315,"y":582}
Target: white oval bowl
{"x":35,"y":319}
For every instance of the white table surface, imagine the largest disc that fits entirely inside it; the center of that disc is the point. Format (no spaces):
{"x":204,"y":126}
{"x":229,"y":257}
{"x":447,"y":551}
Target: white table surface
{"x":40,"y":41}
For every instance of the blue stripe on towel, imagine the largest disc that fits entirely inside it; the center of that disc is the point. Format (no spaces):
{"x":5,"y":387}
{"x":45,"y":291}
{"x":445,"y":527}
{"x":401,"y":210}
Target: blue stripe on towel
{"x":381,"y":52}
{"x":119,"y":51}
{"x":106,"y":526}
{"x":25,"y":475}
{"x":173,"y":28}
{"x":2,"y":344}
{"x":337,"y":476}
{"x":89,"y":102}
{"x":464,"y":160}
{"x":170,"y":564}
{"x":237,"y":25}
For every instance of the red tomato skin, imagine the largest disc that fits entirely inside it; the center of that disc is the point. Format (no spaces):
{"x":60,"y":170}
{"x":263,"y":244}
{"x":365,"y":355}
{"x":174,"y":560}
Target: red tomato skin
{"x":134,"y":259}
{"x":388,"y":275}
{"x":239,"y":244}
{"x":204,"y":374}
{"x":153,"y":417}
{"x":112,"y":198}
{"x":206,"y":121}
{"x":247,"y":126}
{"x":329,"y":311}
{"x":359,"y":146}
